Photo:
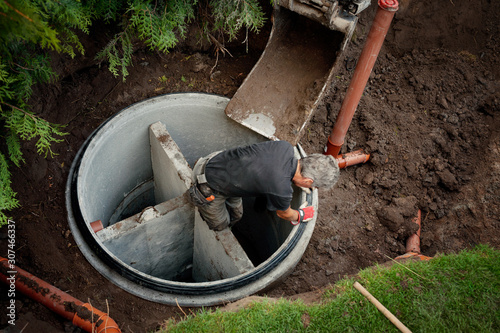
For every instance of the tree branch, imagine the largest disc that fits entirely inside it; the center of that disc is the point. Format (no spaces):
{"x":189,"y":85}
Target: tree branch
{"x":35,"y":118}
{"x":19,"y":12}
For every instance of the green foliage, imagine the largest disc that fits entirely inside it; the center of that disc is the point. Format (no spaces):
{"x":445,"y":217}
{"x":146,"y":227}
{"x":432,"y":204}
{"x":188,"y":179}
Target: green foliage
{"x":118,"y":52}
{"x":232,"y":15}
{"x":28,"y":28}
{"x":64,"y":15}
{"x":27,"y":126}
{"x":160,"y":24}
{"x":108,"y":11}
{"x":157,"y":23}
{"x":22,"y":20}
{"x":7,"y":195}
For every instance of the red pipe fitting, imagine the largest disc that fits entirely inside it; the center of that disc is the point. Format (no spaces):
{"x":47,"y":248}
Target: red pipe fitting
{"x":96,"y":226}
{"x":352,"y":158}
{"x":391,"y":5}
{"x":375,"y":39}
{"x":413,"y":242}
{"x":81,"y":314}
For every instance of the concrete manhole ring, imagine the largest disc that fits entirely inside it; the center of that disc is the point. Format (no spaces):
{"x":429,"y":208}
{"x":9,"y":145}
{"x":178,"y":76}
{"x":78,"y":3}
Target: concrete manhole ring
{"x":112,"y":177}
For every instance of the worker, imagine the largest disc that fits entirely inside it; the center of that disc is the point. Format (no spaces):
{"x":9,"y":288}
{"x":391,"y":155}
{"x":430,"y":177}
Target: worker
{"x":267,"y":169}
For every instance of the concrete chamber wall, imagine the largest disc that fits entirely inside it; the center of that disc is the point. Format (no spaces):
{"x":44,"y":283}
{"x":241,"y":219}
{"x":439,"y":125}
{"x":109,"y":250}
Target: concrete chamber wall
{"x":132,"y":173}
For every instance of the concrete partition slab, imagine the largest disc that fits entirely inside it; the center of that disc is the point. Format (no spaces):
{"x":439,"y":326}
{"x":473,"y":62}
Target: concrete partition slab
{"x":171,"y":172}
{"x":157,"y":241}
{"x":217,"y":254}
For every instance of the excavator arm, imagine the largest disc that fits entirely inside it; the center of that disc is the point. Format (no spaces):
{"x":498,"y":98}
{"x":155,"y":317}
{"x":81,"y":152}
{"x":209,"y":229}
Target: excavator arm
{"x":278,"y":97}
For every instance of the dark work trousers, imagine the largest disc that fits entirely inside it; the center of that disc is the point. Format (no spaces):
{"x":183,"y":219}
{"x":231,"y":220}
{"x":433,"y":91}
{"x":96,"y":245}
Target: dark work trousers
{"x":224,"y":210}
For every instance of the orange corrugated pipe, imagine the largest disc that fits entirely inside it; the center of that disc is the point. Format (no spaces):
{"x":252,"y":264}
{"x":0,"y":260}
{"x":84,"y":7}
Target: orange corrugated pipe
{"x":383,"y":18}
{"x":81,"y":314}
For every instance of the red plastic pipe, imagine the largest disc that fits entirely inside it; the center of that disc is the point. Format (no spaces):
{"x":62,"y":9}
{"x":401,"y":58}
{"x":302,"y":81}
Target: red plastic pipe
{"x":413,"y":242}
{"x":96,"y":226}
{"x":381,"y":23}
{"x":81,"y":314}
{"x":352,"y":158}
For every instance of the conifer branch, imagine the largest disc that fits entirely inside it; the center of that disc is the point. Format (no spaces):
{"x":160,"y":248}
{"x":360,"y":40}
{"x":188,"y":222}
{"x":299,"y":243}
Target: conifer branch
{"x":19,"y":12}
{"x":19,"y":109}
{"x":53,"y":24}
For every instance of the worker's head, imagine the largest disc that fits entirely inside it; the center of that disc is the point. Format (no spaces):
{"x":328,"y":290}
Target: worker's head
{"x":317,"y":170}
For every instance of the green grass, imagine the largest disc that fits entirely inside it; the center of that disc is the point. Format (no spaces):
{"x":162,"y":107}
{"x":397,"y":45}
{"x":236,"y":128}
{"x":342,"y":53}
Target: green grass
{"x":450,"y":293}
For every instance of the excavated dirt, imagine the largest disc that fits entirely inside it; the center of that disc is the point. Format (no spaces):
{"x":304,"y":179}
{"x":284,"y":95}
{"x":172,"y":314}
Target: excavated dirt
{"x":429,"y":117}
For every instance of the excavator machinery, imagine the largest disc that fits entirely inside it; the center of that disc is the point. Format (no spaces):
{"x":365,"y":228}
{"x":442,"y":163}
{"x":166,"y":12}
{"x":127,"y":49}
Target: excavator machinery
{"x":278,"y":97}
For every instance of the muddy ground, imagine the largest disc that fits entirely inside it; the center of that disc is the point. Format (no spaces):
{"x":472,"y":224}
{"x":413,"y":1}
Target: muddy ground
{"x":429,"y":117}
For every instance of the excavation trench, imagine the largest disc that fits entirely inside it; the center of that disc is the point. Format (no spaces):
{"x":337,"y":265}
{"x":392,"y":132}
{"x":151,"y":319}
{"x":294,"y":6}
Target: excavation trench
{"x":132,"y":174}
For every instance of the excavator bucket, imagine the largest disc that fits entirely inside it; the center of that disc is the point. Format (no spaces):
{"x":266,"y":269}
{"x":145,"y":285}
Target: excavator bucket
{"x":277,"y":99}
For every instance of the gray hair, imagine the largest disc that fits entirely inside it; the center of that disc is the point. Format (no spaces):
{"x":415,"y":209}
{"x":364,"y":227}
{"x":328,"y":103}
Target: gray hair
{"x":322,"y":169}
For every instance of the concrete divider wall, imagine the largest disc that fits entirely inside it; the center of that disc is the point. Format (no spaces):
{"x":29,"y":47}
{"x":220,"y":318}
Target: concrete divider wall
{"x":157,"y":241}
{"x":170,"y":240}
{"x":217,"y":254}
{"x":171,"y":172}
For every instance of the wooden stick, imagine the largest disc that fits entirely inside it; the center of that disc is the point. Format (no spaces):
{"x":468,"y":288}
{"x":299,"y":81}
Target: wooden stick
{"x":382,"y":308}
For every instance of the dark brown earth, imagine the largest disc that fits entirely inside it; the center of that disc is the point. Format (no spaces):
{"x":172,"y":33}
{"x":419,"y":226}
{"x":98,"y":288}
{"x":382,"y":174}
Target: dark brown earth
{"x":429,"y":117}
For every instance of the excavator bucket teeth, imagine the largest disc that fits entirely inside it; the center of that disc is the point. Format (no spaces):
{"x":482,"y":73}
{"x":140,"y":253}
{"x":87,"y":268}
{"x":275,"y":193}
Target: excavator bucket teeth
{"x":278,"y":97}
